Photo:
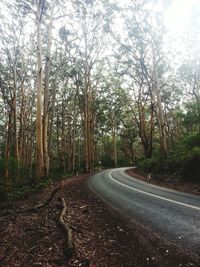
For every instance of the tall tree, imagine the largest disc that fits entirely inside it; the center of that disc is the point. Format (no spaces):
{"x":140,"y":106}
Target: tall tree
{"x":46,"y":93}
{"x":40,"y":171}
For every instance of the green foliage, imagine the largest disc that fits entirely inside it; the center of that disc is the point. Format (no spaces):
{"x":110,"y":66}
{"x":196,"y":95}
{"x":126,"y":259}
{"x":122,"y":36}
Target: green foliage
{"x":122,"y":162}
{"x":183,"y":161}
{"x":191,"y":170}
{"x":3,"y":189}
{"x":192,"y":141}
{"x":191,"y":120}
{"x":107,"y":161}
{"x":146,"y":165}
{"x":41,"y":185}
{"x":10,"y":192}
{"x":2,"y":167}
{"x":14,"y":191}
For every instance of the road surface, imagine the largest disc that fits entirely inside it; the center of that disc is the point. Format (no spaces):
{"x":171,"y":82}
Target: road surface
{"x":171,"y":214}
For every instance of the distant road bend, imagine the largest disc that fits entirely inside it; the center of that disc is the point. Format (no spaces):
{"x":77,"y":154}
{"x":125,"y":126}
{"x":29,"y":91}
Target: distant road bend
{"x":172,"y":214}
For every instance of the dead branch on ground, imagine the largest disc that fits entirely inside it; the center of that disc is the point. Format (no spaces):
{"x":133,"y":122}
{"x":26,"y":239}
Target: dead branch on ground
{"x":68,"y":230}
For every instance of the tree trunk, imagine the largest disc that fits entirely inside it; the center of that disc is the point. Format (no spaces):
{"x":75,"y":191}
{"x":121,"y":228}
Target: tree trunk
{"x":46,"y":95}
{"x":114,"y":156}
{"x":53,"y":97}
{"x":7,"y":148}
{"x":74,"y":144}
{"x":159,"y":111}
{"x":14,"y":106}
{"x":39,"y":131}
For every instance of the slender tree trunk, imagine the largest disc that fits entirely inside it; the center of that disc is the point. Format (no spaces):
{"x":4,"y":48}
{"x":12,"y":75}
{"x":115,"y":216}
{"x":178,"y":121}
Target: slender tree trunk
{"x":93,"y":143}
{"x":74,"y":151}
{"x":58,"y":136}
{"x":51,"y":123}
{"x":159,"y":111}
{"x":46,"y":96}
{"x":31,"y":138}
{"x":114,"y":141}
{"x":86,"y":139}
{"x":90,"y":137}
{"x":7,"y":148}
{"x":151,"y":132}
{"x":15,"y":143}
{"x":86,"y":125}
{"x":74,"y":142}
{"x":39,"y":131}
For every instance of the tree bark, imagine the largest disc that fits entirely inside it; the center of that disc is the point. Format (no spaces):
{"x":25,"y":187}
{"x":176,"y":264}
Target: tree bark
{"x":39,"y":131}
{"x":114,"y":156}
{"x":159,"y":110}
{"x":65,"y":226}
{"x":46,"y":95}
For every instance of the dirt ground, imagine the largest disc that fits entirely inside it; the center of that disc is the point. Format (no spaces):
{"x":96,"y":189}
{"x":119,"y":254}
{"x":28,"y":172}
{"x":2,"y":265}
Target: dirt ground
{"x":102,"y":237}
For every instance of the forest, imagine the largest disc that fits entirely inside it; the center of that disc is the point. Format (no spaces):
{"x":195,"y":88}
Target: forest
{"x":91,"y":84}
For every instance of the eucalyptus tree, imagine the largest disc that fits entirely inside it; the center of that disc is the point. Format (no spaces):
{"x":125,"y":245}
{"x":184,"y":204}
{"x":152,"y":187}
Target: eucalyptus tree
{"x":116,"y":105}
{"x":14,"y":68}
{"x":90,"y":27}
{"x":41,"y":14}
{"x":141,"y":59}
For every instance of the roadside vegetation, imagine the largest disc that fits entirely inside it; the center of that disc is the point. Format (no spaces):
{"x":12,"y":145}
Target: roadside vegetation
{"x":182,"y":162}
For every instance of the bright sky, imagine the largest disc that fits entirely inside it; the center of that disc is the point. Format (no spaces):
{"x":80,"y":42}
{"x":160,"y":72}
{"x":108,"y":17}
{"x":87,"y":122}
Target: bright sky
{"x":182,"y":17}
{"x":178,"y":15}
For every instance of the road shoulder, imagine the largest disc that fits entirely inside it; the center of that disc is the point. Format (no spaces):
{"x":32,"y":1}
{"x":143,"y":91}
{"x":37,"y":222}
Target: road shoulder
{"x":192,"y":188}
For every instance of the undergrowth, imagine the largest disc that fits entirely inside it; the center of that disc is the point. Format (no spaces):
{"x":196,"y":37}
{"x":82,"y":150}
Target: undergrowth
{"x":182,"y":162}
{"x":12,"y":190}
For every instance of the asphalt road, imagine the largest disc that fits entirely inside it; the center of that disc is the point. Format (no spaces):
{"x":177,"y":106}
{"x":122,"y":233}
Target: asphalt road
{"x":171,"y":214}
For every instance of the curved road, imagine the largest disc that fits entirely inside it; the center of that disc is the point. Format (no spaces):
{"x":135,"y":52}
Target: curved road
{"x":172,"y":214}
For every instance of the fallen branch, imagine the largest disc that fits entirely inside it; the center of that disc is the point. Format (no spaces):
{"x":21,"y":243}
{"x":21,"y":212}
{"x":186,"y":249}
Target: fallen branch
{"x":68,"y":230}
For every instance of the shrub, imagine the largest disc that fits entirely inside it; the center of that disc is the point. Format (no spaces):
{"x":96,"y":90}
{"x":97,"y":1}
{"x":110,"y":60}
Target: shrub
{"x":191,"y":168}
{"x":182,"y":162}
{"x":146,"y":165}
{"x":106,"y":161}
{"x":192,"y":141}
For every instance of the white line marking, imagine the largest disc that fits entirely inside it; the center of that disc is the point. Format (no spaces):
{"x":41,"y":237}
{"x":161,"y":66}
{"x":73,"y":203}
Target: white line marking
{"x":155,"y":196}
